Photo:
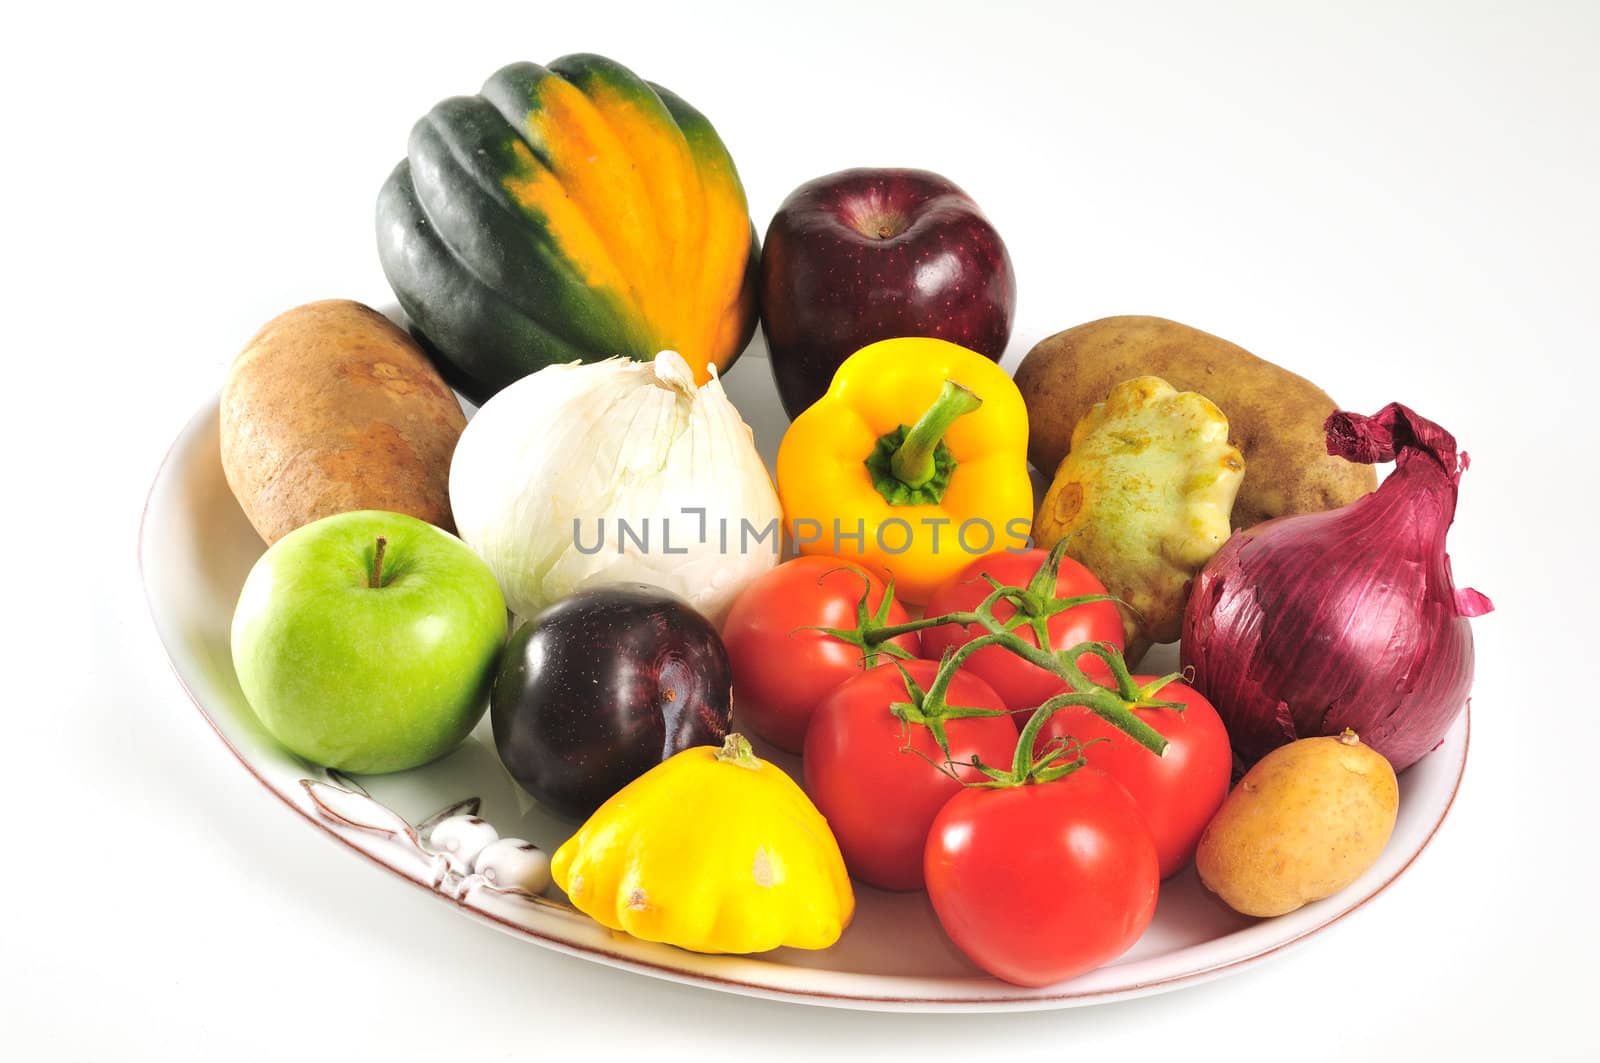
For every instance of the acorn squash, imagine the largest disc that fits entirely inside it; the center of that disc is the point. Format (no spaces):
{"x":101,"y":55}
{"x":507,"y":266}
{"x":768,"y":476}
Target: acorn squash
{"x":568,"y":212}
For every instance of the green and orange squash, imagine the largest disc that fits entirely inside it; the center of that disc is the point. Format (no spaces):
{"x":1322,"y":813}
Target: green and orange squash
{"x":568,"y":212}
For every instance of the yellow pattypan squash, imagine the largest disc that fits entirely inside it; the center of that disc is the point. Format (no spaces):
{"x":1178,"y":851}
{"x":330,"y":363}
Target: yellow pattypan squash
{"x":713,"y":850}
{"x":1143,"y":500}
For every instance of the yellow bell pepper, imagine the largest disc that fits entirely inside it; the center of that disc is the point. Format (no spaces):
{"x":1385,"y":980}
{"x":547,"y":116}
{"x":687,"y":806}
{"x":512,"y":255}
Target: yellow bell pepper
{"x":914,"y":463}
{"x":712,"y":850}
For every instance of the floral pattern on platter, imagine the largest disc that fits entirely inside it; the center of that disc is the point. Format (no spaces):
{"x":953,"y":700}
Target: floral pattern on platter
{"x":453,"y":851}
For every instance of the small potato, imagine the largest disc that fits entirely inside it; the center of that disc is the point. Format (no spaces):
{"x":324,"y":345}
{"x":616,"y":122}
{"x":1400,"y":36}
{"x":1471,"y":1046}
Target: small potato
{"x":1276,"y":417}
{"x":333,"y":408}
{"x":1302,"y":824}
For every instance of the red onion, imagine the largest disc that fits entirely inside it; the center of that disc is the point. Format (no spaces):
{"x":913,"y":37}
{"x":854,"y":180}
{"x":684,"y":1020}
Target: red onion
{"x":1312,"y":623}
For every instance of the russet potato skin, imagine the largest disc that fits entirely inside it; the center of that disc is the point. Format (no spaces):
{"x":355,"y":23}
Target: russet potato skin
{"x":1302,"y":824}
{"x":1276,"y":417}
{"x":333,"y":408}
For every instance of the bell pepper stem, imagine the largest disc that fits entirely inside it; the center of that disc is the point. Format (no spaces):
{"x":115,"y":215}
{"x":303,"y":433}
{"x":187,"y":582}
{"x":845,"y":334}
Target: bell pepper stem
{"x":912,"y":464}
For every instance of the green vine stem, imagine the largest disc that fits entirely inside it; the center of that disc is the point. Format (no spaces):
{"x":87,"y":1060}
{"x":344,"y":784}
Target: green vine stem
{"x":1115,"y":707}
{"x":933,"y":714}
{"x":867,"y":635}
{"x":1034,"y":604}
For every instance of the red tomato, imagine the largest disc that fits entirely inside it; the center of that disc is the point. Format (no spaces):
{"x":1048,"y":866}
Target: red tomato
{"x":1041,"y":882}
{"x":880,"y":800}
{"x":1020,"y":684}
{"x":1179,"y":791}
{"x":780,"y":669}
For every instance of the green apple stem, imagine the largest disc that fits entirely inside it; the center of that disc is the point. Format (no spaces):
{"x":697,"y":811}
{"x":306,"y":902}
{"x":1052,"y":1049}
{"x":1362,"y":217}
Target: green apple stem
{"x":376,"y":578}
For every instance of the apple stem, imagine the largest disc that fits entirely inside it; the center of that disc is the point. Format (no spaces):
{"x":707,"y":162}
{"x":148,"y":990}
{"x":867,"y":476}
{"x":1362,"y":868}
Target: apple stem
{"x":376,"y":577}
{"x":913,"y":463}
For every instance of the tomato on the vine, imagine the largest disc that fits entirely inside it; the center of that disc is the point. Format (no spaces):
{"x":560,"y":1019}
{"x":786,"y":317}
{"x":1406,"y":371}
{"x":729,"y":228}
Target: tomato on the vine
{"x":1178,"y":791}
{"x":782,"y":667}
{"x":1021,"y":684}
{"x":870,"y":773}
{"x":1040,"y":882}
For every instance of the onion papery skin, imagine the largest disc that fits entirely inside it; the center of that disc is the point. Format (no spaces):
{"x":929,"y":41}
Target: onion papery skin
{"x":1313,"y":623}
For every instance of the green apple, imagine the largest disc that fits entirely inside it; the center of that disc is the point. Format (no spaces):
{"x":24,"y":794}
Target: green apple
{"x":367,"y":641}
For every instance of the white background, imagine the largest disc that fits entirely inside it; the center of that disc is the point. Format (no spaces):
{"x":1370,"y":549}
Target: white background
{"x":1398,"y":201}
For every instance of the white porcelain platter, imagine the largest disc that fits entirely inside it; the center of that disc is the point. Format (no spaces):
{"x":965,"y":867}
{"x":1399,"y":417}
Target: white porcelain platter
{"x":195,"y":549}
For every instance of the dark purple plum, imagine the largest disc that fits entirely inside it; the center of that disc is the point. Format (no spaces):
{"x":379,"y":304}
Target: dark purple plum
{"x":601,"y":687}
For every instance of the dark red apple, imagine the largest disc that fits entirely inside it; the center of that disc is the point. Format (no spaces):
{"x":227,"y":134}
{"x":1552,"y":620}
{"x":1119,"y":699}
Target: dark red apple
{"x":872,"y":254}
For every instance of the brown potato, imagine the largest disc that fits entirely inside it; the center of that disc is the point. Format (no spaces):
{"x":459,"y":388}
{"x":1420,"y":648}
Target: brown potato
{"x":1302,"y":824}
{"x":1276,"y":417}
{"x":333,"y":408}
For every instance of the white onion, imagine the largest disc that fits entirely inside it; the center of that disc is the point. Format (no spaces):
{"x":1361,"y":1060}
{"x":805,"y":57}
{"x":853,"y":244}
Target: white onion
{"x":595,"y":443}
